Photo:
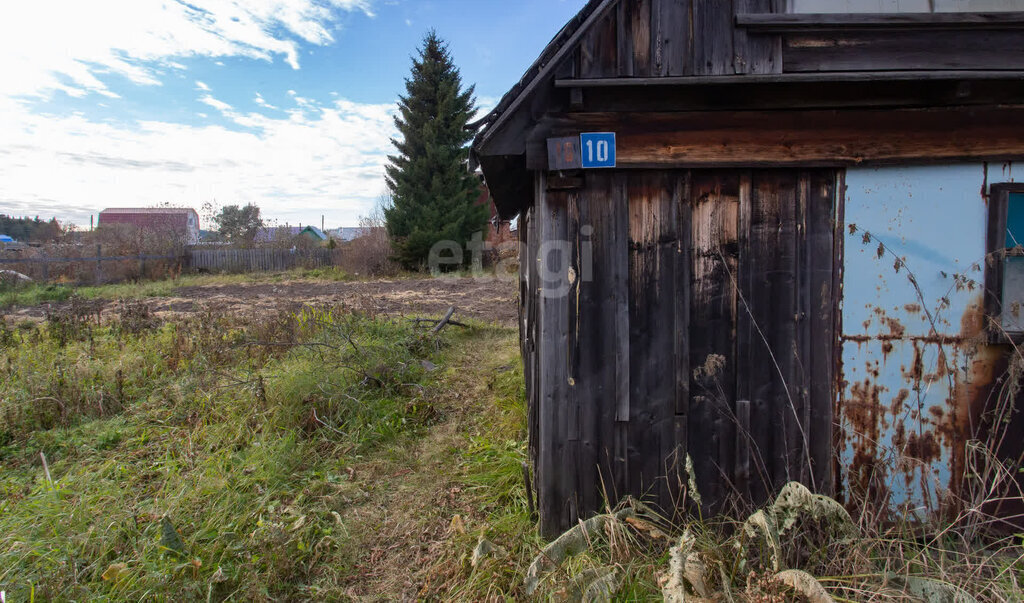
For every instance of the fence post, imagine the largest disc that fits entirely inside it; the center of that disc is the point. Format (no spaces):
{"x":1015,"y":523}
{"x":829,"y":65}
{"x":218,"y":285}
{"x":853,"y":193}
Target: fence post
{"x":142,"y":265}
{"x":99,"y":264}
{"x":46,"y":268}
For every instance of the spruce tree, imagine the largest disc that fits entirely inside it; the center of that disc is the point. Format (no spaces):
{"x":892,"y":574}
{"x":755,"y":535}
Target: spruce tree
{"x":433,"y":193}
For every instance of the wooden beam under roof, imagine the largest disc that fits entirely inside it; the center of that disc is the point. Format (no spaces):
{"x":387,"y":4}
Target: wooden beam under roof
{"x":812,"y":138}
{"x":788,"y":22}
{"x":783,"y":78}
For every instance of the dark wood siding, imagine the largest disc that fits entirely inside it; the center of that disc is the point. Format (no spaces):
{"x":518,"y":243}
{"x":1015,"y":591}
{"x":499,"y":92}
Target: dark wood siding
{"x":667,"y":38}
{"x":654,"y":226}
{"x":672,"y":38}
{"x":901,"y":50}
{"x":800,"y":138}
{"x":694,"y":316}
{"x":556,"y":456}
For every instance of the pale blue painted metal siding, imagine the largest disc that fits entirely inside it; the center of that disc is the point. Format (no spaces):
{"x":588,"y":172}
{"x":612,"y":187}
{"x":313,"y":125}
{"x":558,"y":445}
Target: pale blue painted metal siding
{"x":912,"y":318}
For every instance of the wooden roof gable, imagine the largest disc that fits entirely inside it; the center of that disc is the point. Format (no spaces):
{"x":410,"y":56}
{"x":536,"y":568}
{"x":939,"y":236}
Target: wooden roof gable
{"x":629,"y":57}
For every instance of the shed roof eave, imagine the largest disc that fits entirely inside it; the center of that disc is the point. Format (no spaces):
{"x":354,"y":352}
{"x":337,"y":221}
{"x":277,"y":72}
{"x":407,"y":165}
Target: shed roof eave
{"x":795,"y":78}
{"x":546,"y":62}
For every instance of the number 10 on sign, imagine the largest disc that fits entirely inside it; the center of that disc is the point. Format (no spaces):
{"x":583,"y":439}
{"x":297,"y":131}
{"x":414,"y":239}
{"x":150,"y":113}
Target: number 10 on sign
{"x":598,"y":149}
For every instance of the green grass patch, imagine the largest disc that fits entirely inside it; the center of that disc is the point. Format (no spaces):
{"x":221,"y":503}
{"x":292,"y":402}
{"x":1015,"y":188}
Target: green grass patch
{"x":33,"y":294}
{"x":200,"y":459}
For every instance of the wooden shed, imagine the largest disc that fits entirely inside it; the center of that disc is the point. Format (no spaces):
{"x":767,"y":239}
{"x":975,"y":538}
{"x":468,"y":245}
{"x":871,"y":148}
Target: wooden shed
{"x":781,"y":257}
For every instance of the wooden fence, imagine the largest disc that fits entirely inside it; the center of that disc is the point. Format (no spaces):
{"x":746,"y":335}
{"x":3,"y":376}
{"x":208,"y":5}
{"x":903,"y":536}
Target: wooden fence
{"x":259,"y":259}
{"x":99,"y":268}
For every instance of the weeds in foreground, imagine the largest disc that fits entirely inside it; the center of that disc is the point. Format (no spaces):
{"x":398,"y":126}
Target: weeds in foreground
{"x":204,"y":459}
{"x":802,"y":547}
{"x":13,"y":294}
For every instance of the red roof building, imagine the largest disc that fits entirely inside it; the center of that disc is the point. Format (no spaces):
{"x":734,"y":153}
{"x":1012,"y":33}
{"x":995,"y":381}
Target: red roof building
{"x":182,"y":221}
{"x":499,"y":231}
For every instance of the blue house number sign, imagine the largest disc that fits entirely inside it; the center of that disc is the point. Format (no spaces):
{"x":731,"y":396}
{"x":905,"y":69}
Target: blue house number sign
{"x":598,"y":149}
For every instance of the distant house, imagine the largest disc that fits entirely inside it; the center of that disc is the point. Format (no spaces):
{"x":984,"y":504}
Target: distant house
{"x":276,"y":234}
{"x":499,"y":230}
{"x":347,"y":233}
{"x":286,"y":234}
{"x":313,"y":233}
{"x":180,"y":221}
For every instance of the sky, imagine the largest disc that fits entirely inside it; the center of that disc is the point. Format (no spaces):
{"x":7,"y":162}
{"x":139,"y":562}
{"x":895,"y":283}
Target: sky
{"x":287,"y":104}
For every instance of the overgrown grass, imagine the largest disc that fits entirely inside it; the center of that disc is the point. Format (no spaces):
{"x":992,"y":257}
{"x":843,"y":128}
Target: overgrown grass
{"x":330,"y":455}
{"x":32,"y":294}
{"x":198,"y":459}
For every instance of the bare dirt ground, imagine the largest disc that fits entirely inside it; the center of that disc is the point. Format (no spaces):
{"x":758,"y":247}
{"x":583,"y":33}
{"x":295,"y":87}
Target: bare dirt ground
{"x":489,"y":299}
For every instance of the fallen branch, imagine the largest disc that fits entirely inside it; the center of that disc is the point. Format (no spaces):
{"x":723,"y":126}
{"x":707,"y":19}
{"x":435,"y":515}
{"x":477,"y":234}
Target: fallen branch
{"x":434,"y":321}
{"x":324,"y":423}
{"x":444,"y":321}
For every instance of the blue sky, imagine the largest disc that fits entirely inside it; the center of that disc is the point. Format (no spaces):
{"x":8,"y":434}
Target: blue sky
{"x":284,"y":103}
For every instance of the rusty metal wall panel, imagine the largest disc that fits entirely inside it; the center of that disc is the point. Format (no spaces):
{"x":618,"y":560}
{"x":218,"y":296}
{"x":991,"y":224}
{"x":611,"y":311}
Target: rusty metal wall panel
{"x":916,"y":371}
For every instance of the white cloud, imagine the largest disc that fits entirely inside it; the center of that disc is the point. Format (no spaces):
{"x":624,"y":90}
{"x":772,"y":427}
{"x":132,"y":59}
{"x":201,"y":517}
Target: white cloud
{"x":314,"y":158}
{"x":259,"y":100}
{"x":317,"y":159}
{"x":216,"y":104}
{"x":65,"y":45}
{"x":484,"y":105}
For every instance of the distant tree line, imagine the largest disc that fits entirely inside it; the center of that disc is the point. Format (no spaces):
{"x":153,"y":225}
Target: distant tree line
{"x":30,"y":230}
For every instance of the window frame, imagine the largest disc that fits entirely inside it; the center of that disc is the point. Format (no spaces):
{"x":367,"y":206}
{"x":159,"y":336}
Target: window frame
{"x":995,"y":258}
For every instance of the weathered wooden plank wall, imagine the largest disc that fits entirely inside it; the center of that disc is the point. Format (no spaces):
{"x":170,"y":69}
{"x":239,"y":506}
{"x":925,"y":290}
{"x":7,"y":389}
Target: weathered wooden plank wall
{"x":554,"y":469}
{"x":830,"y":50}
{"x":670,"y":38}
{"x":714,"y":205}
{"x":797,"y":138}
{"x":674,"y":313}
{"x":653,"y":201}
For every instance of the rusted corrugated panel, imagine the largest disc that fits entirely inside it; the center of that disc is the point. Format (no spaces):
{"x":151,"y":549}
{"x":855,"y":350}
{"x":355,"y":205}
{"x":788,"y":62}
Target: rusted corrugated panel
{"x":917,"y":371}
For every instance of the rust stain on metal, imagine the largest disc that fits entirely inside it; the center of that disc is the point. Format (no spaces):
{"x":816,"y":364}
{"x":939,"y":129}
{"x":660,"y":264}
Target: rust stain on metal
{"x":928,"y":438}
{"x":865,"y":417}
{"x":896,"y":328}
{"x":897,"y":402}
{"x":923,"y":447}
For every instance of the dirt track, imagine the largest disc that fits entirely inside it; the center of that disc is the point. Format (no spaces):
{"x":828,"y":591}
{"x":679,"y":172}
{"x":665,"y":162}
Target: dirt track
{"x":489,"y":299}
